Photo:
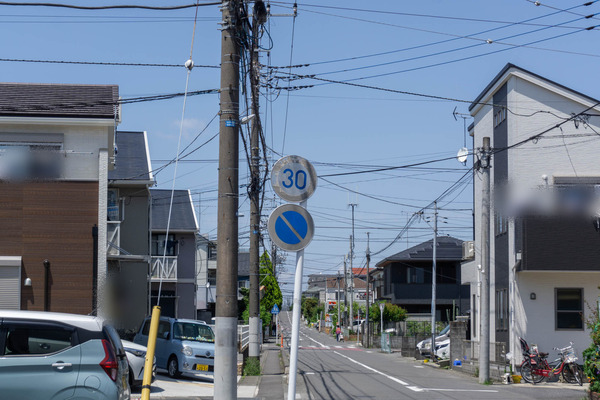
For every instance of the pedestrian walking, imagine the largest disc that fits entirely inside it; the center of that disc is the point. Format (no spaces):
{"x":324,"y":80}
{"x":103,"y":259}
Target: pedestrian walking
{"x":338,"y":331}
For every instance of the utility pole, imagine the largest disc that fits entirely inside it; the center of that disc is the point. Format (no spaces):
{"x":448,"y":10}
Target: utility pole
{"x":433,"y":280}
{"x":367,"y":329}
{"x":345,"y":293}
{"x":259,"y":16}
{"x":227,"y":235}
{"x":352,"y":269}
{"x":484,"y":343}
{"x":337,"y":298}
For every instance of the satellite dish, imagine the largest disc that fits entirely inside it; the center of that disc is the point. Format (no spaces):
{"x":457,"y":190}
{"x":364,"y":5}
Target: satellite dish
{"x":462,"y":155}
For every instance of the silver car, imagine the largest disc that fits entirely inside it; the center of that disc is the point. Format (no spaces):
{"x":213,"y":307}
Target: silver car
{"x":58,"y":356}
{"x":136,"y":357}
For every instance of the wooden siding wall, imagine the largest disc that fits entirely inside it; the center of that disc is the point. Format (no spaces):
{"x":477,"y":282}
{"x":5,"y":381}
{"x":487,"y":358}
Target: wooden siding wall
{"x":51,"y":220}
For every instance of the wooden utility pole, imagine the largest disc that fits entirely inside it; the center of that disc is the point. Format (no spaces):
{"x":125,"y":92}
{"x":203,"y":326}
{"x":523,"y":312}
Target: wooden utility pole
{"x":227,"y":228}
{"x":367,"y":329}
{"x":259,"y":16}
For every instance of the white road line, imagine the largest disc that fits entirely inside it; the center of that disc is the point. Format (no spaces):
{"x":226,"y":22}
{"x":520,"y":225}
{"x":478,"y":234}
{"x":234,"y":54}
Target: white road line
{"x":462,"y":390}
{"x":418,"y":366}
{"x":415,"y":388}
{"x":373,"y":369}
{"x":319,"y":343}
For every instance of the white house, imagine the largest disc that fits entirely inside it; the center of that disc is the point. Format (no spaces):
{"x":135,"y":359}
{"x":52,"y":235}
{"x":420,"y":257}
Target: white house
{"x":544,"y":248}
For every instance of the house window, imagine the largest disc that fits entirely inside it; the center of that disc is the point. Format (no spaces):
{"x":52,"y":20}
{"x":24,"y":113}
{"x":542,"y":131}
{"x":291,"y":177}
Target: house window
{"x":501,"y":225}
{"x":158,"y":245}
{"x":502,"y":310}
{"x":474,"y":317}
{"x":499,"y":116}
{"x":569,"y":308}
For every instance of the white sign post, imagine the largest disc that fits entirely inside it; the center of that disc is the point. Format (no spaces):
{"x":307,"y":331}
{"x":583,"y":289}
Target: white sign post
{"x":291,"y":227}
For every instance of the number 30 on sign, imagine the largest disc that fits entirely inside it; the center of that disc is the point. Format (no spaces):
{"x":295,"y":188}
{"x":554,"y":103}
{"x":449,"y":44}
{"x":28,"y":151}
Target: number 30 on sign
{"x":293,"y":178}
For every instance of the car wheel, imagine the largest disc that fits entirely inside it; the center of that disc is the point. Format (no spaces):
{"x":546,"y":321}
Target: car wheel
{"x":173,"y":367}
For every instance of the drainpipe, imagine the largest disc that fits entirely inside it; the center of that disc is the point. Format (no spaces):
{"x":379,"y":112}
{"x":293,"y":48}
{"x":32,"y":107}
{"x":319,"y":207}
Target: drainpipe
{"x":94,"y":269}
{"x":46,"y":285}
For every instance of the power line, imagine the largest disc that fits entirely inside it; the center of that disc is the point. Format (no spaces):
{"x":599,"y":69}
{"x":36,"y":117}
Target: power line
{"x":119,"y":64}
{"x":111,"y":7}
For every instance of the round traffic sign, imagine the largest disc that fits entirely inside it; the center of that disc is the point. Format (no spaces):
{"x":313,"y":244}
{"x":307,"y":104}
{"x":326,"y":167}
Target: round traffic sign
{"x":293,"y":178}
{"x":291,"y":227}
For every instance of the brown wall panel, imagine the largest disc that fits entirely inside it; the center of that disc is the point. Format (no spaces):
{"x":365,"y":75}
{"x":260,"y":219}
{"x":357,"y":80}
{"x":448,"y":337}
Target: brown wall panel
{"x":51,"y":220}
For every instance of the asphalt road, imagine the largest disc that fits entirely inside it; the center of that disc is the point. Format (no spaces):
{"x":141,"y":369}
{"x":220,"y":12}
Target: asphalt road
{"x":332,"y":370}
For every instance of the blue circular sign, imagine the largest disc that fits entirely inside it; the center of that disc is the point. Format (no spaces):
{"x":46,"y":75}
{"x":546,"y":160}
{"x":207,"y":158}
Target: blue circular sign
{"x":291,"y":227}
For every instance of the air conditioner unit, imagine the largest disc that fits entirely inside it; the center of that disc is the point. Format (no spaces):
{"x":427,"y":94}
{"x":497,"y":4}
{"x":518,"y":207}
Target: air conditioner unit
{"x":468,"y":250}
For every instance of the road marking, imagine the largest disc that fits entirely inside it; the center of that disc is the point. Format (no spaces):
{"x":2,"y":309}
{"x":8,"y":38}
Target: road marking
{"x":319,"y":343}
{"x":415,"y":388}
{"x":373,"y":369}
{"x":418,"y":366}
{"x":463,"y":390}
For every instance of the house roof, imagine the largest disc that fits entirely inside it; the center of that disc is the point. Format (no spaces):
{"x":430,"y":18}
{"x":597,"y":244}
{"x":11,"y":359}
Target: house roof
{"x":510,"y":66}
{"x":183,"y":218}
{"x":132,"y":159}
{"x":58,"y":100}
{"x":361,"y":271}
{"x":448,"y":249}
{"x":244,"y":264}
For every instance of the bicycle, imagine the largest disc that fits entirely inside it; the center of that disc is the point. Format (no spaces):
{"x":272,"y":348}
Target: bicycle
{"x":535,"y":367}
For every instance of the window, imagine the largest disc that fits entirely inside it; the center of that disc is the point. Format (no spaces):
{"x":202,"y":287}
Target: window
{"x":19,"y":160}
{"x":499,"y":115}
{"x":569,"y":308}
{"x":502,"y":310}
{"x":33,"y":340}
{"x":501,"y":225}
{"x":474,"y":317}
{"x":158,"y":245}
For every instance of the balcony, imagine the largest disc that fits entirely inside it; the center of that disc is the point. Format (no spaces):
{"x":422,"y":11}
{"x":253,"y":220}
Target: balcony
{"x":113,"y":238}
{"x":167,"y":270}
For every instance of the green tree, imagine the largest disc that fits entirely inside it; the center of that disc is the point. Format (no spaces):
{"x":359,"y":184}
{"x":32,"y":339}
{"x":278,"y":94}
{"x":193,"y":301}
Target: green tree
{"x":271,"y":293}
{"x":309,"y":308}
{"x":391,"y":313}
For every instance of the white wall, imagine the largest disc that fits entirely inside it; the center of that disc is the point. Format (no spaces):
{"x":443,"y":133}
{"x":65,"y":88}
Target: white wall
{"x":535,"y":319}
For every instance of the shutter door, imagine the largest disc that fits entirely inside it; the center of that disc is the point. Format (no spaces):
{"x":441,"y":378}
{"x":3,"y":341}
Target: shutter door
{"x":10,"y":285}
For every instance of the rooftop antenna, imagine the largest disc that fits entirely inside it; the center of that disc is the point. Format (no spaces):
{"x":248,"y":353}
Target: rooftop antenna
{"x":464,"y":151}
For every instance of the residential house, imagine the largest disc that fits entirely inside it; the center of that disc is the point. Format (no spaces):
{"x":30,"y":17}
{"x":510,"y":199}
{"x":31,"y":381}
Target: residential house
{"x":173,"y":249}
{"x":128,"y":230}
{"x":56,"y":150}
{"x":206,"y":277}
{"x":544,"y":244}
{"x":407,"y":278}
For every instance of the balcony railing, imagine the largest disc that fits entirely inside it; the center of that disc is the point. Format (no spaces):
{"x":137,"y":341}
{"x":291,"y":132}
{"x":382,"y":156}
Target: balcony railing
{"x":113,"y":238}
{"x":167,"y":270}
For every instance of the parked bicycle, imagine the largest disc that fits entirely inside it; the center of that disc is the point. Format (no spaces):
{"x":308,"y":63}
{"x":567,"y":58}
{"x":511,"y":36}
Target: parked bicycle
{"x":535,"y":366}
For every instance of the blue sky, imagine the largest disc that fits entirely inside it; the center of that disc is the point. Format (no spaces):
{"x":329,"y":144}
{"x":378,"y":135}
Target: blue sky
{"x":435,"y":47}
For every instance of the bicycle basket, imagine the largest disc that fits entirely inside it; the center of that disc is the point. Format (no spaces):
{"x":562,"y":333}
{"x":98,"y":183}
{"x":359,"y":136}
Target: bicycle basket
{"x":569,"y":355}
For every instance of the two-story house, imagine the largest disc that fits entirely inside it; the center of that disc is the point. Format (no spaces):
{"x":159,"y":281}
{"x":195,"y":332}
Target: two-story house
{"x":544,"y":248}
{"x":407,"y":277}
{"x":206,"y":277}
{"x":128,"y":230}
{"x":173,"y":249}
{"x":56,"y":149}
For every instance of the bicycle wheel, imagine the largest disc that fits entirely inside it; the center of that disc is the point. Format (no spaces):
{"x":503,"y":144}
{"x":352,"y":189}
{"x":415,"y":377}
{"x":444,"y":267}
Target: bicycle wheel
{"x":572,"y":373}
{"x":526,"y":369}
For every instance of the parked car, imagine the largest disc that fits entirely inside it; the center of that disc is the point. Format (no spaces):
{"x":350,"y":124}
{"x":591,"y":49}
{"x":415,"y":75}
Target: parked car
{"x":136,"y":357}
{"x":442,"y":349}
{"x":424,"y":346}
{"x":182,"y":346}
{"x":46,"y":355}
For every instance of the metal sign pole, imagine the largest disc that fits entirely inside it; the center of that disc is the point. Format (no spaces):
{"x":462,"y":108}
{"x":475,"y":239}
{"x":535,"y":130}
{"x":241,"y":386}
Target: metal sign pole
{"x":296,"y":321}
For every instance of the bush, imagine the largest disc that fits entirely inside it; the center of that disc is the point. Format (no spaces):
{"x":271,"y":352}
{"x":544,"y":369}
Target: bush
{"x":591,"y":355}
{"x":252,"y":367}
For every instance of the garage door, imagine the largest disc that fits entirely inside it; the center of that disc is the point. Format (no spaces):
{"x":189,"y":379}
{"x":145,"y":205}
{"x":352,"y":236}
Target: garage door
{"x":10,"y":283}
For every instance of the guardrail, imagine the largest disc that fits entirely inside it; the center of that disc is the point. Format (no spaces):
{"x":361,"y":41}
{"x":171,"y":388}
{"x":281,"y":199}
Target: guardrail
{"x":243,"y":337}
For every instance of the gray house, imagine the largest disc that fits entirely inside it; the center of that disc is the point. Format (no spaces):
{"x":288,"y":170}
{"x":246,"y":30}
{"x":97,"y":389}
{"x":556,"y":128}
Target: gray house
{"x":173,"y":263}
{"x":128,"y":230}
{"x":407,"y":278}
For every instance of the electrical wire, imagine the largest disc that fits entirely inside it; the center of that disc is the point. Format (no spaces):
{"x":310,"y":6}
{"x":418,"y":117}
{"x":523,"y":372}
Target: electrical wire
{"x":112,"y":64}
{"x":111,"y":7}
{"x":287,"y":105}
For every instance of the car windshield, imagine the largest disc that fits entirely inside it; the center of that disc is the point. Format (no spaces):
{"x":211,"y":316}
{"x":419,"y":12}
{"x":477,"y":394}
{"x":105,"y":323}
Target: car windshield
{"x":193,"y":331}
{"x":445,"y":330}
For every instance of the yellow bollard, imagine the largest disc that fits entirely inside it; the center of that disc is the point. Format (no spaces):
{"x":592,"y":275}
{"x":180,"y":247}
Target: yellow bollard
{"x":150,"y":353}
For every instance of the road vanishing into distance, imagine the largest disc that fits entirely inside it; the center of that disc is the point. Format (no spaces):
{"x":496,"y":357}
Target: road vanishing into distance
{"x":344,"y":370}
